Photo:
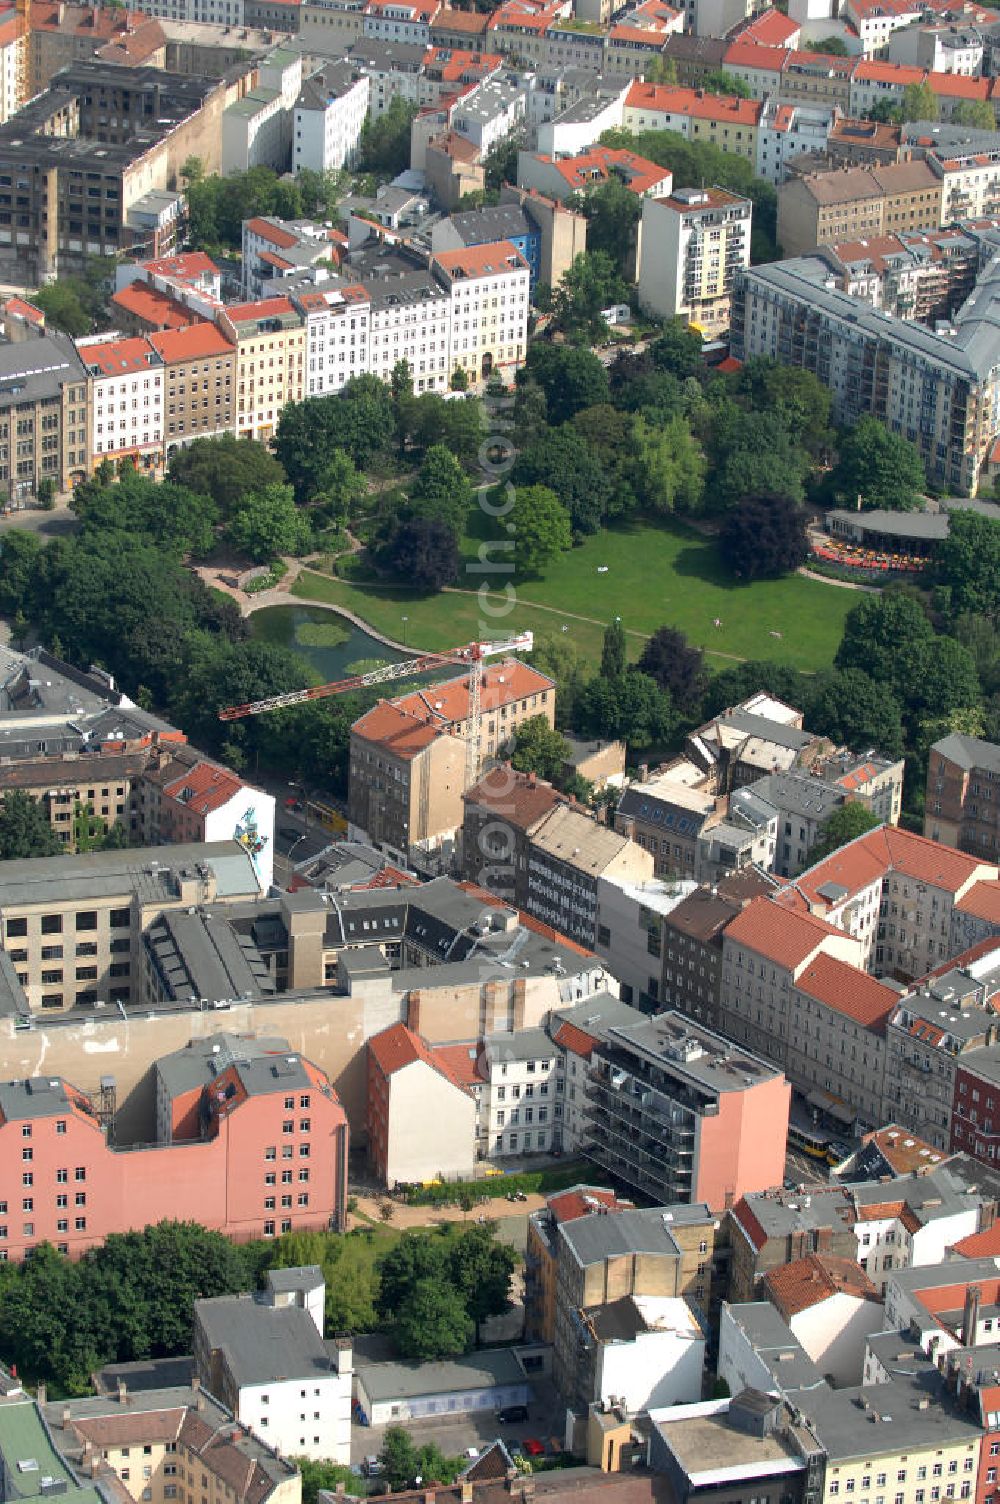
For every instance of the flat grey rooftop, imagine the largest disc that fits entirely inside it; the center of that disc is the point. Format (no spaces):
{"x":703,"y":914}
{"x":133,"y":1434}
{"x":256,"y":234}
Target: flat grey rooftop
{"x":482,"y":1370}
{"x":263,"y":1343}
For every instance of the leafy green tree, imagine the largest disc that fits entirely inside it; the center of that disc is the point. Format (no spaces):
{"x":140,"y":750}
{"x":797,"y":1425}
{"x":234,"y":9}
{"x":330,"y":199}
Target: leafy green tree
{"x":884,"y":636}
{"x":614,"y":650}
{"x":501,"y":160}
{"x":398,"y":1457}
{"x":852,"y":710}
{"x":456,"y":425}
{"x":735,"y":684}
{"x":415,"y":1257}
{"x":192,"y":169}
{"x":632,"y":708}
{"x":846,"y":823}
{"x":947,"y":681}
{"x":589,"y":286}
{"x":384,"y":148}
{"x":571,"y":378}
{"x":612,"y":212}
{"x":753,"y":453}
{"x":919,"y":103}
{"x":225,"y":468}
{"x":24,"y":828}
{"x":677,"y":350}
{"x":977,"y":113}
{"x":359,"y":420}
{"x":171,"y":516}
{"x":481,"y":1267}
{"x":668,"y":469}
{"x":320,"y":192}
{"x":542,"y":529}
{"x":676,"y":666}
{"x":797,"y":398}
{"x":721,"y":82}
{"x":423,"y":552}
{"x":343,"y":491}
{"x":268,"y":523}
{"x":327,"y":1475}
{"x":832,"y":46}
{"x":348,"y":1269}
{"x":562,"y":460}
{"x":459,"y":381}
{"x":881,"y":467}
{"x":19,"y":555}
{"x":63,"y":308}
{"x":433,"y":1324}
{"x":661,"y":70}
{"x":967,"y":564}
{"x":441,"y":491}
{"x":537,"y":748}
{"x":764,"y":537}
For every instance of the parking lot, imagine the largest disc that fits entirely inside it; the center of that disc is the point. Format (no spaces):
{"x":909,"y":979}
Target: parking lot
{"x":456,"y":1434}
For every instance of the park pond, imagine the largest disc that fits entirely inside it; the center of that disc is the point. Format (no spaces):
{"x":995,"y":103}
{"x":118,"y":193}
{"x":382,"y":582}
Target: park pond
{"x":334,"y":646}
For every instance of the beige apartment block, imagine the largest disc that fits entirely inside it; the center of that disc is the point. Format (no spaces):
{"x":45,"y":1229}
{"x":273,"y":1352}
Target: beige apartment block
{"x":199,"y":383}
{"x":857,"y":203}
{"x":407,"y":778}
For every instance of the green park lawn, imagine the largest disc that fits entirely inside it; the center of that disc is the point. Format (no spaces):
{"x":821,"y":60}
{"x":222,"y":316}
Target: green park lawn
{"x":654,"y":575}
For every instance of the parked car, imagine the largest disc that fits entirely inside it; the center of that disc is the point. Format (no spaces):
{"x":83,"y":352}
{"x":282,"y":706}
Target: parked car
{"x":513,"y":1415}
{"x":373,"y":1468}
{"x":533,"y":1447}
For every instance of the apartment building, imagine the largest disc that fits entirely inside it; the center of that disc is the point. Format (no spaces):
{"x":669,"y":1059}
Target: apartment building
{"x":180,"y":1432}
{"x":907,"y":1224}
{"x":616,"y":1270}
{"x":270,"y":363}
{"x":691,"y":937}
{"x":939,"y":391}
{"x":864,"y":143}
{"x":857,"y":203}
{"x":265,"y":1357}
{"x":409,"y":319}
{"x":921,"y":275}
{"x":421,"y":1117}
{"x":501,"y":812}
{"x":406,"y":781}
{"x":702,"y":236}
{"x":218,"y":1177}
{"x":727,"y":122}
{"x":962,"y":804}
{"x":558,"y":178}
{"x":329,"y":115}
{"x":199,"y":380}
{"x":630,"y":927}
{"x":70,"y":924}
{"x":521,"y":1104}
{"x":489,"y":288}
{"x":126,"y":401}
{"x":544,"y":1246}
{"x":567,"y":854}
{"x":15,"y":88}
{"x":60,"y":34}
{"x":683,"y":1115}
{"x":44,"y":417}
{"x":84,"y":178}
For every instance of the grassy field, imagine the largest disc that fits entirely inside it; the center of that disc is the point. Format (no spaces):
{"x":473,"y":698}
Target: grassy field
{"x":651,"y":575}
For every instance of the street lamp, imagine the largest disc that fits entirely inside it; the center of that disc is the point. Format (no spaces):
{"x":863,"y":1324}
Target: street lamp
{"x":405,"y":620}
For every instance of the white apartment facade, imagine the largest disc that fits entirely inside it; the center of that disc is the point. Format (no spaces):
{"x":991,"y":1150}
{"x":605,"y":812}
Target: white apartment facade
{"x":337,"y":321}
{"x":488,"y":290}
{"x":701,"y":238}
{"x":328,"y":119}
{"x":127,"y":405}
{"x":786,"y":131}
{"x":411,"y":320}
{"x":521,"y":1106}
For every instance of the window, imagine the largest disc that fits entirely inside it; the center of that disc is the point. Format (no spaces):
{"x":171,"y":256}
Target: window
{"x":86,"y":920}
{"x":51,"y":925}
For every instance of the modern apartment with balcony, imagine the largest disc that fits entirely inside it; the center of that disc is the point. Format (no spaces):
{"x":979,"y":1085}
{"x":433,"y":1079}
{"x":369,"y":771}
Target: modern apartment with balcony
{"x":679,"y":1114}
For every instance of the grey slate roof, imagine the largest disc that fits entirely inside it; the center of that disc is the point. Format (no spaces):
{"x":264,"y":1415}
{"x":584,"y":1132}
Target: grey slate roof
{"x":481,"y":1370}
{"x":262,"y":1343}
{"x":596,"y":1238}
{"x":969,"y":751}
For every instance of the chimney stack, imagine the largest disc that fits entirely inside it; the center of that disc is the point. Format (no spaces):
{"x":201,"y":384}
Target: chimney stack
{"x":41,"y":1394}
{"x":122,"y":1392}
{"x":970,"y":1316}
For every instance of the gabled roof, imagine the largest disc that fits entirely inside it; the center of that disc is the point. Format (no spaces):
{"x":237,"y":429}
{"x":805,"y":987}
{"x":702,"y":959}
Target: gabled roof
{"x":806,"y":1282}
{"x":153,"y":306}
{"x":763,"y":927}
{"x":397,"y":1047}
{"x":197,"y":342}
{"x":402,"y":734}
{"x":204,"y":788}
{"x":849,"y":990}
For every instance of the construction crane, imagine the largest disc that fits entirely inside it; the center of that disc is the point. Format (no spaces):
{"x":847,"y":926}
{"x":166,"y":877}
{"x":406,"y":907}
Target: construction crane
{"x":471,"y":657}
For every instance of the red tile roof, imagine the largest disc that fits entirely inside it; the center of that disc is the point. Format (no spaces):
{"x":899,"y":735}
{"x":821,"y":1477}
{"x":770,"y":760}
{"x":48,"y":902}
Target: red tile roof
{"x":957,"y":86}
{"x":520,"y":797}
{"x":849,"y":990}
{"x":459,"y":1062}
{"x":204,"y":788}
{"x":804,"y":1283}
{"x":395,"y":729}
{"x":188,"y":265}
{"x":266,"y":231}
{"x":746,"y":1219}
{"x":569,"y":1037}
{"x":871,"y":857}
{"x":117,"y":357}
{"x":602,"y":162}
{"x":503,"y":684}
{"x":980,"y":1245}
{"x":771,"y":29}
{"x":580,"y":1201}
{"x":870,"y":70}
{"x":782,"y":935}
{"x":664,"y":99}
{"x":474,"y":22}
{"x":263,"y":308}
{"x":752,"y":55}
{"x":494,"y":259}
{"x":983,"y":901}
{"x":397,"y":1047}
{"x":24,"y":310}
{"x":153,"y":307}
{"x":196,"y":342}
